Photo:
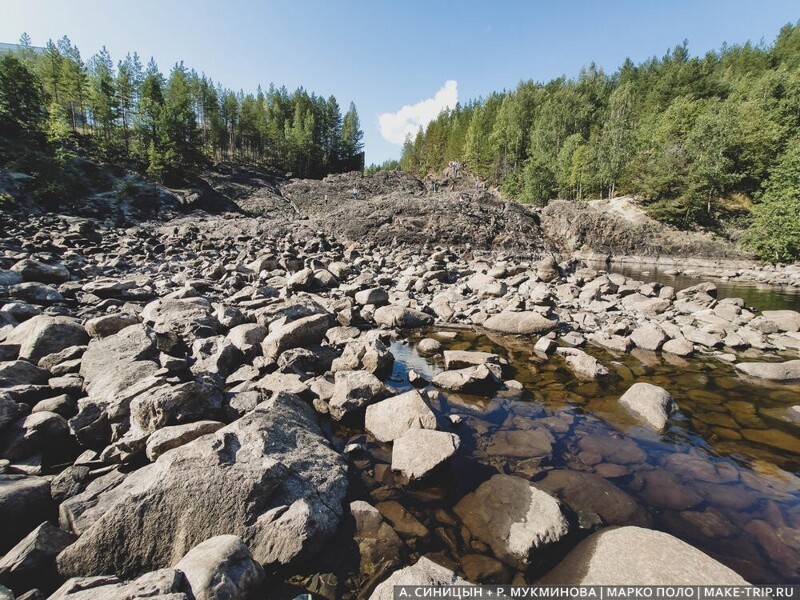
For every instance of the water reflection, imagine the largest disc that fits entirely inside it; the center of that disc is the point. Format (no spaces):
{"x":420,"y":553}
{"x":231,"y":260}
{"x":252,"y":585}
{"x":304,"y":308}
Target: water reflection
{"x":760,"y":295}
{"x":722,"y":477}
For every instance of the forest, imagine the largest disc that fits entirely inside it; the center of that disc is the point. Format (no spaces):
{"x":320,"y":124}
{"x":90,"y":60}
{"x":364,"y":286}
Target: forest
{"x":704,"y":141}
{"x":167,"y":126}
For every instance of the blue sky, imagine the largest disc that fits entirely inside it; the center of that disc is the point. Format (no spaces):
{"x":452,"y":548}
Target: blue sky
{"x":385,"y":55}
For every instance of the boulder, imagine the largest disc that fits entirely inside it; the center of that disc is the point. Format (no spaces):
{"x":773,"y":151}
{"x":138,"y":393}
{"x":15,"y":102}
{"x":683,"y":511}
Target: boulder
{"x":107,"y":325}
{"x":174,"y":405}
{"x":649,"y":337}
{"x":177,"y":435}
{"x":520,"y":323}
{"x":388,"y":419}
{"x":352,"y":391}
{"x":42,"y":335}
{"x":419,"y":451}
{"x":637,"y":556}
{"x":472,"y":380}
{"x":306,"y":331}
{"x":33,"y":270}
{"x":402,"y":317}
{"x":679,"y":346}
{"x":221,"y":568}
{"x":774,"y":371}
{"x":513,"y":517}
{"x":424,"y":573}
{"x":367,"y":353}
{"x":650,"y":403}
{"x":164,"y":584}
{"x":32,"y":562}
{"x":24,"y":503}
{"x":36,"y":293}
{"x":429,"y":346}
{"x":248,"y":337}
{"x":784,"y":320}
{"x":21,"y":372}
{"x":38,"y":432}
{"x":270,"y":478}
{"x":375,"y":296}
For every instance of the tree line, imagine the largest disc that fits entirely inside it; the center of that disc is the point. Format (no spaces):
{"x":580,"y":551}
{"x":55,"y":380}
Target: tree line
{"x":168,"y":126}
{"x":700,"y":139}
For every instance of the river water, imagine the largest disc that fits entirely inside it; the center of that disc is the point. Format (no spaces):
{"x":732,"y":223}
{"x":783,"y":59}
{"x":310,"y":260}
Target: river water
{"x":759,"y":295}
{"x":723,"y":476}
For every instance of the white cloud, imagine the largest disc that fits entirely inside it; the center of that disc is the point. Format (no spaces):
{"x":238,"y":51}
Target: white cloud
{"x":396,"y":126}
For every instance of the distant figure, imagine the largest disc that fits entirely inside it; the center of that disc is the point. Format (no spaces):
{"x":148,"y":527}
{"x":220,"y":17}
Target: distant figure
{"x":326,"y":198}
{"x":355,"y":193}
{"x":435,"y":186}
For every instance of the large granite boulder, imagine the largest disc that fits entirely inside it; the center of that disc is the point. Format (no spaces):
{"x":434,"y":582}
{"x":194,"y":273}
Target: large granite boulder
{"x":270,"y":478}
{"x":636,"y":556}
{"x":42,"y":335}
{"x":402,"y":317}
{"x":425,"y":573}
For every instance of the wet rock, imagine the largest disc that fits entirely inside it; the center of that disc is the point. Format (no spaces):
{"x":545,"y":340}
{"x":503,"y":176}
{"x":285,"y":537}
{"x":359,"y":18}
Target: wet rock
{"x":619,"y":450}
{"x":650,"y":403}
{"x":219,"y":568}
{"x":42,"y":335}
{"x":484,"y":569}
{"x":32,"y":562}
{"x":515,"y":518}
{"x":271,"y":478}
{"x":378,"y":544}
{"x":664,"y":490}
{"x":402,"y":317}
{"x":168,"y":438}
{"x":419,"y":451}
{"x":520,"y":323}
{"x":590,"y":493}
{"x":402,"y":520}
{"x":635,"y":556}
{"x":424,"y":572}
{"x":774,"y":371}
{"x":536,"y":443}
{"x":389,"y":419}
{"x":353,"y":390}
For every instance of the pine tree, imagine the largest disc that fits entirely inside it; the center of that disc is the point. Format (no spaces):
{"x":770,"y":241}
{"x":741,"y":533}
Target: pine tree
{"x":352,"y":135}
